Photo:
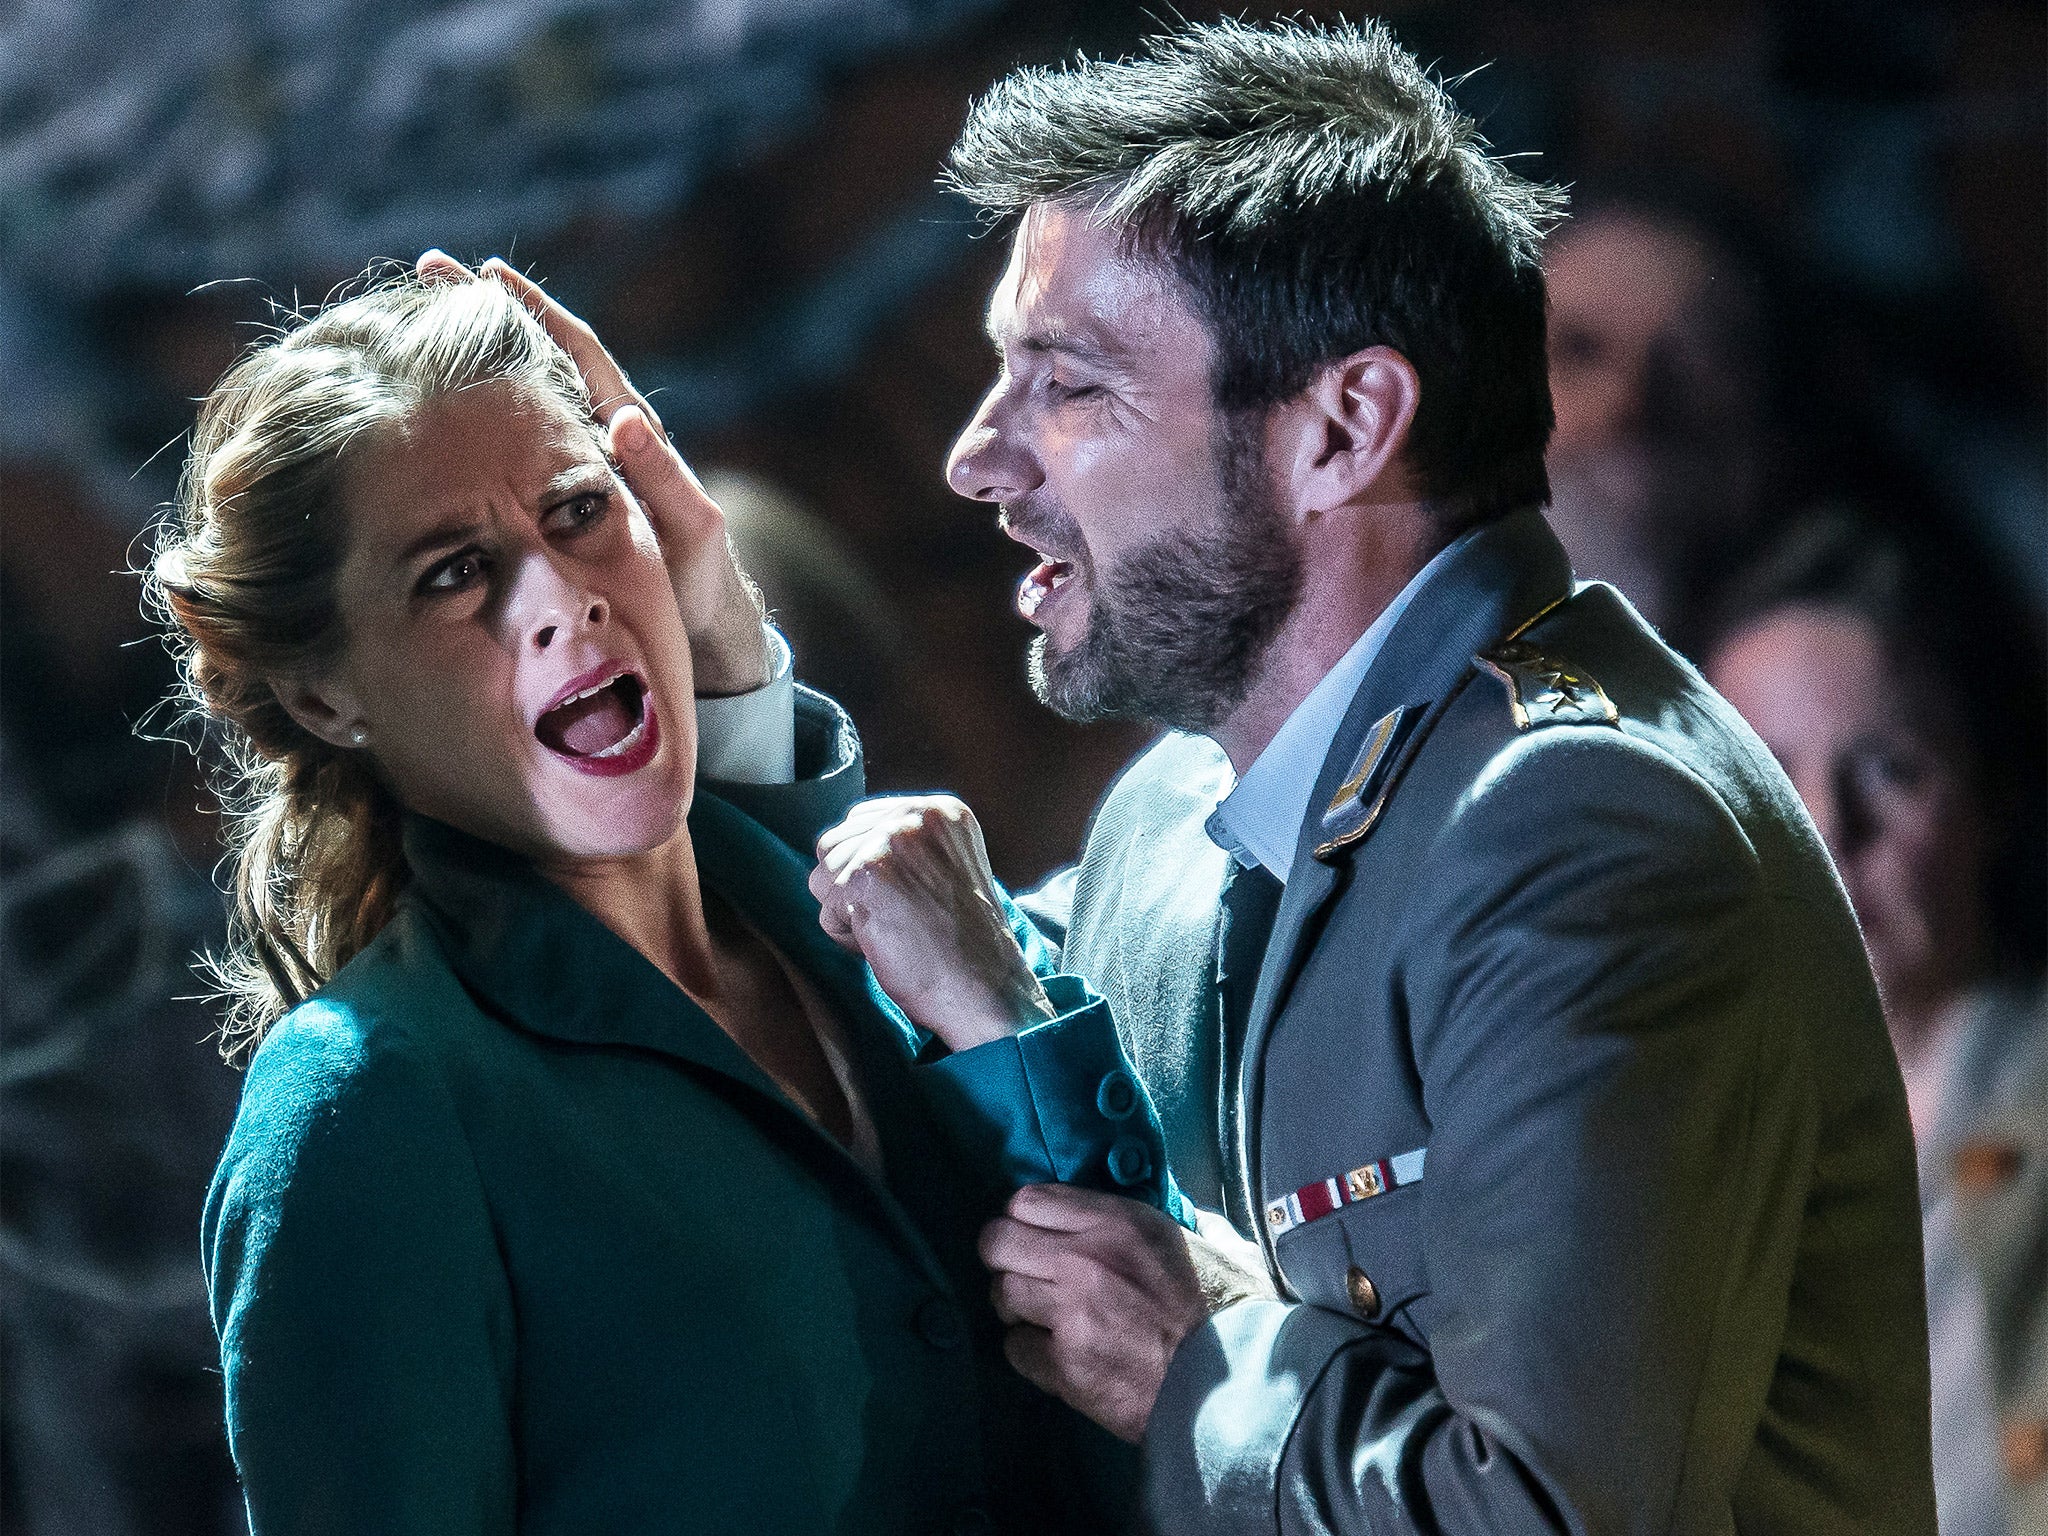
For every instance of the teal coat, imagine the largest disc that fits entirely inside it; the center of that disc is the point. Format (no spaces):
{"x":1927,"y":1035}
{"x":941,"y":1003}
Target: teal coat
{"x":509,"y":1236}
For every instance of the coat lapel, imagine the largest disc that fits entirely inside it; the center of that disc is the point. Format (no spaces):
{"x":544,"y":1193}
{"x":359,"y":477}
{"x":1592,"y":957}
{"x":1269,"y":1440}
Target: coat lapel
{"x":548,"y":965}
{"x":1509,"y":572}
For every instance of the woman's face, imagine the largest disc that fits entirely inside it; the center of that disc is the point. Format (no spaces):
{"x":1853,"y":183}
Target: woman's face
{"x":1887,"y":787}
{"x":513,"y":647}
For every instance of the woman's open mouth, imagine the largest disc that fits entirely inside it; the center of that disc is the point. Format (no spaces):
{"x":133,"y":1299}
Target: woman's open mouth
{"x":606,"y":726}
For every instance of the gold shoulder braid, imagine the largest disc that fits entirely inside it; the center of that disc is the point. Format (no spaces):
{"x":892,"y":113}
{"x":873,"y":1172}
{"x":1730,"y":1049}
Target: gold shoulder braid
{"x":1544,"y":689}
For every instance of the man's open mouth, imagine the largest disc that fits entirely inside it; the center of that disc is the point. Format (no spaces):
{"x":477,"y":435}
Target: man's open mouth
{"x":1043,"y":579}
{"x":1053,"y":570}
{"x":604,"y":722}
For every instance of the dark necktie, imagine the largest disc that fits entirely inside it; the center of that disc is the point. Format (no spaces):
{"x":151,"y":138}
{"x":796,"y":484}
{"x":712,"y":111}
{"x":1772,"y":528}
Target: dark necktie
{"x":1251,"y":899}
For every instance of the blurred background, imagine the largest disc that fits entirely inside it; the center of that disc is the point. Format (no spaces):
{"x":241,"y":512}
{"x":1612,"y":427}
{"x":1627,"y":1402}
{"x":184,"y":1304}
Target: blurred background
{"x":1798,"y":351}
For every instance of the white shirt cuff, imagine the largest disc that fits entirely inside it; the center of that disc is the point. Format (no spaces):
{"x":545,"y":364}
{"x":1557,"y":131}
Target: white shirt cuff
{"x":750,"y":738}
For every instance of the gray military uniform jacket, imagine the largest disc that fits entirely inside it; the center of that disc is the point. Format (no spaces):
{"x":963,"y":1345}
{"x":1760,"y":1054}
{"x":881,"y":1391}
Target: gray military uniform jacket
{"x":1604,"y":1215}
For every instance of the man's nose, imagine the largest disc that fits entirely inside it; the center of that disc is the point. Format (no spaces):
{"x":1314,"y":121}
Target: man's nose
{"x":989,"y":461}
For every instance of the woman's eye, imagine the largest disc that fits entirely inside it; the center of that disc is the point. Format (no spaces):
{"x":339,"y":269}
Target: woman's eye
{"x":576,"y":514}
{"x":460,"y":570}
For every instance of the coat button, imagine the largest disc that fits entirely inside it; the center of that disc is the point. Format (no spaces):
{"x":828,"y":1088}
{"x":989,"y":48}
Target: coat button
{"x":1365,"y":1296}
{"x":1130,"y":1162}
{"x":2023,"y":1447}
{"x":1117,"y":1098}
{"x":939,"y":1323}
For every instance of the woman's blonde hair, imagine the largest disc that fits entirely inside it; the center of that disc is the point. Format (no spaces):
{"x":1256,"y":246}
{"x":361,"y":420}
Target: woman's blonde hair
{"x":243,"y":575}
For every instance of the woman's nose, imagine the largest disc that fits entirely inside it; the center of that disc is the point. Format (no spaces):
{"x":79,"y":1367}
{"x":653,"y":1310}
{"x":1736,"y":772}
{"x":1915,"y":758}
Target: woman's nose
{"x":557,"y":606}
{"x":595,"y":612}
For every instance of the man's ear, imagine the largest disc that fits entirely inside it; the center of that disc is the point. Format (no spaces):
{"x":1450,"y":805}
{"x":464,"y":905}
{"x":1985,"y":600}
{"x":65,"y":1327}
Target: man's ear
{"x":1342,"y":440}
{"x":326,"y":709}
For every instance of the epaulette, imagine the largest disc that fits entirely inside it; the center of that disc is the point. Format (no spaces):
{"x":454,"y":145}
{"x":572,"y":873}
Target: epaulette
{"x":1546,"y":690}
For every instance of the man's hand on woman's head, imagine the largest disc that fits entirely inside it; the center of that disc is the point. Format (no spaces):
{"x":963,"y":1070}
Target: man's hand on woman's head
{"x":905,"y":881}
{"x":721,"y":607}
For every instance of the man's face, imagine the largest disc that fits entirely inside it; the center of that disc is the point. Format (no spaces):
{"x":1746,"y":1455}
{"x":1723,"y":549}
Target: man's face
{"x":1164,"y":565}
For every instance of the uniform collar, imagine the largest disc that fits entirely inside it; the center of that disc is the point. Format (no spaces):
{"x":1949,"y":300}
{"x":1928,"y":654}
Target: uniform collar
{"x":1260,"y":819}
{"x":1491,"y":584}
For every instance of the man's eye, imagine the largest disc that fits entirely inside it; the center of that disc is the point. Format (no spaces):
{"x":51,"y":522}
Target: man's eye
{"x":1061,"y":390}
{"x":459,"y":571}
{"x":576,"y":514}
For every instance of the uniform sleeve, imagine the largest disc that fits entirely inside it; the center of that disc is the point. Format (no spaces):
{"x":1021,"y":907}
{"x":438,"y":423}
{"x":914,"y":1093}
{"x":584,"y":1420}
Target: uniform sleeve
{"x":364,"y":1318}
{"x":1058,"y":1103}
{"x":1620,"y":1138}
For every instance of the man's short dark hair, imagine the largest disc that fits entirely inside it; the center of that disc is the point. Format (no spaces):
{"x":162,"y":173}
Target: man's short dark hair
{"x":1318,"y":193}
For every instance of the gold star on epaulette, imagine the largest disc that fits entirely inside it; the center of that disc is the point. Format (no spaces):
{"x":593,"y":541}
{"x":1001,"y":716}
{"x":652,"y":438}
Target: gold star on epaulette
{"x":1545,"y":690}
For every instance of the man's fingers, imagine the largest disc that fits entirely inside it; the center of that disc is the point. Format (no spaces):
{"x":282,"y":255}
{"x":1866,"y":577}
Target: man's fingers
{"x":1029,"y":1350}
{"x":1024,"y":1298}
{"x":1064,"y":1208}
{"x":1011,"y":1246}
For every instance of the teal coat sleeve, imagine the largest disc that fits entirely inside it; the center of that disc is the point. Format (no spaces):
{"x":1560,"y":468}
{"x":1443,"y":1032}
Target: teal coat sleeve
{"x":1057,"y":1103}
{"x":364,"y":1318}
{"x":831,"y":777}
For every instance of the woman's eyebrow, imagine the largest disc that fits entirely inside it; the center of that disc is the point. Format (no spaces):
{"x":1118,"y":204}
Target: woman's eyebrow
{"x":460,"y":529}
{"x":440,"y":536}
{"x":577,"y":477}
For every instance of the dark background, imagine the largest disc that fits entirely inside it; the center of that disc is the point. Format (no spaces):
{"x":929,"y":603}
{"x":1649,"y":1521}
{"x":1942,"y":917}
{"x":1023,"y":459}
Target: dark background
{"x":740,"y":197}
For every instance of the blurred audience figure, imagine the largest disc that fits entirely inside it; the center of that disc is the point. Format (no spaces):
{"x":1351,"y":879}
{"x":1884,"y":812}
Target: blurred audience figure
{"x":114,"y":1101}
{"x":1660,"y":374}
{"x":848,"y":633}
{"x":1908,"y":715}
{"x":844,"y":628}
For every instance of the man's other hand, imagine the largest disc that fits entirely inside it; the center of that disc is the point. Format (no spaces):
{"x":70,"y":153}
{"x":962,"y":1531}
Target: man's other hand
{"x":905,"y":881}
{"x":1099,"y":1292}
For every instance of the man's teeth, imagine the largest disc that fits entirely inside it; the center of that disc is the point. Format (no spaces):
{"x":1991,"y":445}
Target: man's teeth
{"x":1039,"y":583}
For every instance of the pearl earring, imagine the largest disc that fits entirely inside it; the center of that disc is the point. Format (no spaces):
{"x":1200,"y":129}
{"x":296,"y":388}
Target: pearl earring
{"x":359,"y":735}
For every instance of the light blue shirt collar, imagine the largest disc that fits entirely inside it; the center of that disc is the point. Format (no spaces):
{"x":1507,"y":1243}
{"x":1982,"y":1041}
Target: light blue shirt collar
{"x":1259,"y":821}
